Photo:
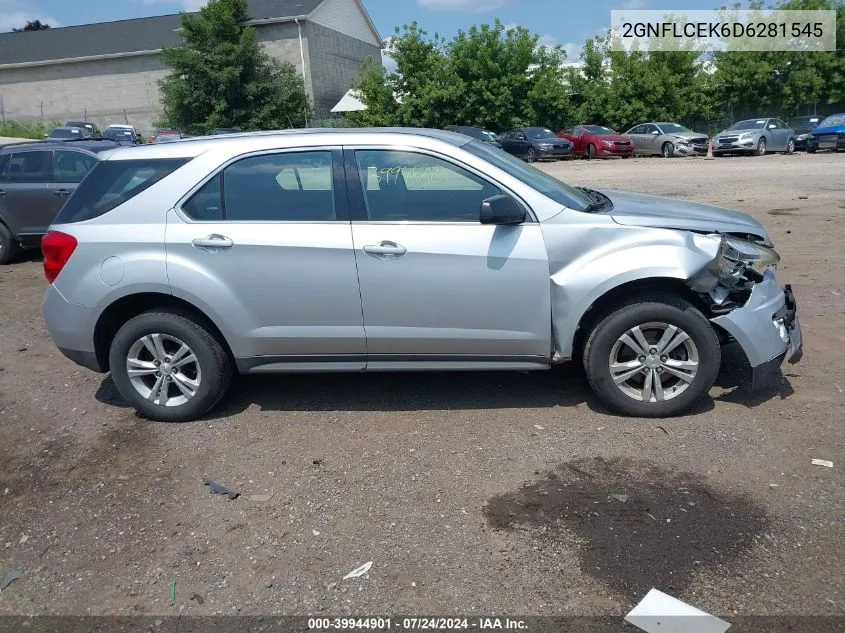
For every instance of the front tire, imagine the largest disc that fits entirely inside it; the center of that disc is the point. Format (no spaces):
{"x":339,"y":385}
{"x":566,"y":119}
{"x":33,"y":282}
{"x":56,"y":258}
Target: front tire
{"x":591,"y":152}
{"x":9,"y":247}
{"x":668,"y":150}
{"x":532,"y":155}
{"x":169,"y":366}
{"x":761,"y":148}
{"x":790,"y":147}
{"x":652,"y":357}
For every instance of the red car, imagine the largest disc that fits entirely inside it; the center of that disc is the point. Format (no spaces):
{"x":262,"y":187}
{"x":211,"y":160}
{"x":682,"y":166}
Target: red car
{"x":595,"y":141}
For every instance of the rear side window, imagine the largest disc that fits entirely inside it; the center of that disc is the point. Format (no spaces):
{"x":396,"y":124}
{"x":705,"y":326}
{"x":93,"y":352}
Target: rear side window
{"x":71,"y":166}
{"x":113,"y":182}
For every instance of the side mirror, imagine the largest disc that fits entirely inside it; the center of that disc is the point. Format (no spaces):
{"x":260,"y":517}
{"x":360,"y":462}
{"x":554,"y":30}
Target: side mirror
{"x":773,"y":126}
{"x":500,"y":210}
{"x":656,"y":133}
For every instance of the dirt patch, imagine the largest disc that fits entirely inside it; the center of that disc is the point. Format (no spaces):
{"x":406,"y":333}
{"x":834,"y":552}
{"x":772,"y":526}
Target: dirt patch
{"x":788,"y":211}
{"x":638,"y":525}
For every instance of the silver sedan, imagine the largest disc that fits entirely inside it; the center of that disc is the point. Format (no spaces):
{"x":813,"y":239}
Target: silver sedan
{"x":755,"y":136}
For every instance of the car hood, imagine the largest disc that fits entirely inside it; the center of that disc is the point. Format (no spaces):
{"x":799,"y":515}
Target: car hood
{"x":612,"y":137}
{"x":830,"y":129}
{"x":639,"y":209}
{"x":686,"y":135}
{"x":738,"y":132}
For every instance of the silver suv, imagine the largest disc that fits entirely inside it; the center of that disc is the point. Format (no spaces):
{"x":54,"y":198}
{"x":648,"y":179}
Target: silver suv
{"x":174,"y":266}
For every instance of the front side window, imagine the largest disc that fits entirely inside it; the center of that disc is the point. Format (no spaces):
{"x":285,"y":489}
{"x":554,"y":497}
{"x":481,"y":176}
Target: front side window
{"x":408,"y":187}
{"x":288,"y":187}
{"x":71,"y":166}
{"x":29,"y":167}
{"x":4,"y":167}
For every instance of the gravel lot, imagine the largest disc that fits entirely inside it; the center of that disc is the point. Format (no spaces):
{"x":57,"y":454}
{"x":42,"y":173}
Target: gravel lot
{"x":471,"y":493}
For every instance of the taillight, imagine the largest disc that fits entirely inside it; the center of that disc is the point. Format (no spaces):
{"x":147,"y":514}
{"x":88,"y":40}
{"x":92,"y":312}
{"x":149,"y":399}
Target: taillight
{"x":57,"y":248}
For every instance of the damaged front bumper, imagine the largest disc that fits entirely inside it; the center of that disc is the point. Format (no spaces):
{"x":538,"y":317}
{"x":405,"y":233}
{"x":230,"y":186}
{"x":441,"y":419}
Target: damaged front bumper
{"x":766,"y":328}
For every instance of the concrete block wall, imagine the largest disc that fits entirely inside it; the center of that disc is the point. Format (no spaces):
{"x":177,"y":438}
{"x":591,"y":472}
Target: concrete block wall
{"x":101,"y":90}
{"x":335,"y":62}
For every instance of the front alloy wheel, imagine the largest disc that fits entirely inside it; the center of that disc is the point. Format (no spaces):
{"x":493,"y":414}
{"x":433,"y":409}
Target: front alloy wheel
{"x":761,"y":147}
{"x":653,"y":362}
{"x":653,"y":356}
{"x":532,"y":155}
{"x":790,"y":147}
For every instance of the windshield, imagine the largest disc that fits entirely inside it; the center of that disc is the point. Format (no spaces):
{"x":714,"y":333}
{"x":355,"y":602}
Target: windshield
{"x":598,"y":130}
{"x":66,"y":133}
{"x":530,"y":175}
{"x":535,"y":133}
{"x":834,"y":119}
{"x":118,"y":135}
{"x":750,"y":124}
{"x":674,"y":128}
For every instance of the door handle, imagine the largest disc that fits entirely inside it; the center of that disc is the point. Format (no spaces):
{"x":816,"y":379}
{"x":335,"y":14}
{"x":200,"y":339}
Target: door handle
{"x":2,"y":193}
{"x":61,"y":192}
{"x":213,"y":241}
{"x":386,"y":250}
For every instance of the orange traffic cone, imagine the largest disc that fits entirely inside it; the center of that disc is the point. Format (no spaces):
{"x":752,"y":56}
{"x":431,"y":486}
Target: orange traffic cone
{"x":709,"y":150}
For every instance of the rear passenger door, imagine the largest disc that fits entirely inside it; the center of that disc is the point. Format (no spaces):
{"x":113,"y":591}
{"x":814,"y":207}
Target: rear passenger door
{"x":68,"y":169}
{"x":265,"y":246}
{"x":28,"y":203}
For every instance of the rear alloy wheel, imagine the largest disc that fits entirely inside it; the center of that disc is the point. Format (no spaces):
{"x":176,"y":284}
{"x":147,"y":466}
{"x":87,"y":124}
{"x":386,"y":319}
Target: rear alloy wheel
{"x":591,"y":152}
{"x":761,"y":147}
{"x":532,"y":155}
{"x":653,"y":357}
{"x":9,"y":247}
{"x":169,"y":367}
{"x":790,"y":147}
{"x":668,"y":150}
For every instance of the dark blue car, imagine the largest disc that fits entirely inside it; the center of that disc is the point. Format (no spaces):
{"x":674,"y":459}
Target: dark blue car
{"x":830,"y":134}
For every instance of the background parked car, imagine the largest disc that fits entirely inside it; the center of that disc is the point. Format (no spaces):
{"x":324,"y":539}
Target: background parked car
{"x":166,"y":136}
{"x":476,"y":132}
{"x":69,"y":134}
{"x":756,"y":136}
{"x":830,"y":134}
{"x":535,"y":143}
{"x":667,"y":140}
{"x":120,"y":126}
{"x":122,"y":136}
{"x":803,"y":125}
{"x":597,"y":141}
{"x":35,"y":181}
{"x":92,"y":128}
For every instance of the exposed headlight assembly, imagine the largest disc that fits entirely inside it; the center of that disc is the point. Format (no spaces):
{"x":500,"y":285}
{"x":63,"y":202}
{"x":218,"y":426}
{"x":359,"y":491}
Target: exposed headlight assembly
{"x":746,"y":137}
{"x":737,"y":256}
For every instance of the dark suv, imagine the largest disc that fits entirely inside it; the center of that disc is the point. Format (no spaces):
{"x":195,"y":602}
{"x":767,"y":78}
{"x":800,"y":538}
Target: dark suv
{"x":35,"y":181}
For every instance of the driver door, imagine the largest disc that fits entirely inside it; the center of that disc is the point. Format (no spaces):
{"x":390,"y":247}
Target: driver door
{"x":438,"y":288}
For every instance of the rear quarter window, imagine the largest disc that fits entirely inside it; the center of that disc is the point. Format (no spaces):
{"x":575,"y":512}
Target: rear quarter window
{"x":111,"y":183}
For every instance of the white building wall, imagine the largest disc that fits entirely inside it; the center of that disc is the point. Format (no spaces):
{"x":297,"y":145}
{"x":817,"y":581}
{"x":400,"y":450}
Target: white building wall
{"x":347,"y":17}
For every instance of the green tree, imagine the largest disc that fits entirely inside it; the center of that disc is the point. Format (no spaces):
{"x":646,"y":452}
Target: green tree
{"x":221,"y":77}
{"x":33,"y":25}
{"x":488,"y":76}
{"x":784,"y":83}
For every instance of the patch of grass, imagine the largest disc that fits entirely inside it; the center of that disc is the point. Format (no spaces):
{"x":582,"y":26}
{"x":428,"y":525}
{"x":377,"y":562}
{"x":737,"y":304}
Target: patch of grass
{"x":33,"y":130}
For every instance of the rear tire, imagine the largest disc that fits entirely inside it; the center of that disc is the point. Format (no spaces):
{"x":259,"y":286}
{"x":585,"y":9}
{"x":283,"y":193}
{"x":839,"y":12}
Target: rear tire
{"x":208,"y":375}
{"x":10,"y":249}
{"x":668,"y":150}
{"x":606,"y":364}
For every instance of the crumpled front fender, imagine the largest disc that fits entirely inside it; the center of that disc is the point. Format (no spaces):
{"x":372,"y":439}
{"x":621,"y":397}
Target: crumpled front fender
{"x":587,"y":264}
